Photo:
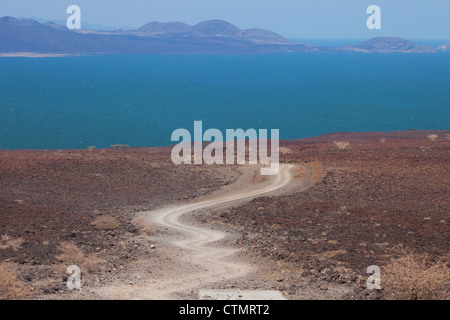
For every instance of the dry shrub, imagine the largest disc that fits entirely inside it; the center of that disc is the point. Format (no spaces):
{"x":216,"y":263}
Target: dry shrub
{"x":433,"y":137}
{"x":106,"y":223}
{"x":10,"y":287}
{"x":284,"y":150}
{"x":342,"y":144}
{"x":447,"y":136}
{"x":72,"y":255}
{"x":7,"y":242}
{"x":416,"y":277}
{"x":144,"y":227}
{"x":155,"y":165}
{"x":383,"y":140}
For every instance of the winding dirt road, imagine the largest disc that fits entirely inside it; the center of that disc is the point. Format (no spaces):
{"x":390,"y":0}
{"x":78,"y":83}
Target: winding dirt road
{"x":197,"y":243}
{"x":197,"y":259}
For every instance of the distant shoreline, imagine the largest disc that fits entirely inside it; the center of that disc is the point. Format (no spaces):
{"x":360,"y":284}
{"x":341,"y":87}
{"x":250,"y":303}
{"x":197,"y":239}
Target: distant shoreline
{"x":35,"y":55}
{"x":354,"y":137}
{"x":207,"y":37}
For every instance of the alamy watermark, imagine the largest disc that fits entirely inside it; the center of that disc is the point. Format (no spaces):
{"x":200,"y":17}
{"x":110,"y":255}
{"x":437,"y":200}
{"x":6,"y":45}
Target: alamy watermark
{"x":213,"y":153}
{"x":74,"y":20}
{"x":374,"y":281}
{"x":74,"y":279}
{"x":373,"y":22}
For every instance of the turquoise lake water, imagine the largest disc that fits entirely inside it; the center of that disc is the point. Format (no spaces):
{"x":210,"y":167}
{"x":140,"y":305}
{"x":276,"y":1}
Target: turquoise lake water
{"x":76,"y":102}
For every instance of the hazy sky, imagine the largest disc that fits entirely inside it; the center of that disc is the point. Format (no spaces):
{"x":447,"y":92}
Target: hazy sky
{"x":413,"y":19}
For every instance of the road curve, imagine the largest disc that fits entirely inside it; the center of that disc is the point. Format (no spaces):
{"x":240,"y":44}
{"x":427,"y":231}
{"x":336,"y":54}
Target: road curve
{"x":196,"y":245}
{"x":196,"y":237}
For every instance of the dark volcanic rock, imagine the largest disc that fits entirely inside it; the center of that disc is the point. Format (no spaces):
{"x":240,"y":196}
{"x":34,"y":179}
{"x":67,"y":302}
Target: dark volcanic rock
{"x":386,"y":193}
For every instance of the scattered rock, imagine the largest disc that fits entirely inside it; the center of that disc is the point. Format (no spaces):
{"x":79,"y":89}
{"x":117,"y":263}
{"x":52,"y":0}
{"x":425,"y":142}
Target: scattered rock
{"x":334,"y":242}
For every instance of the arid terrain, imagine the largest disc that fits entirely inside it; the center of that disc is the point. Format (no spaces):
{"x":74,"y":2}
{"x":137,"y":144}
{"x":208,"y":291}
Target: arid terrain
{"x":354,"y":200}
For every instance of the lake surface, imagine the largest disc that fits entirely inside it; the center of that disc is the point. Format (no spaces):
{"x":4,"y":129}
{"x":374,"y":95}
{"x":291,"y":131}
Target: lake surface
{"x":76,"y":102}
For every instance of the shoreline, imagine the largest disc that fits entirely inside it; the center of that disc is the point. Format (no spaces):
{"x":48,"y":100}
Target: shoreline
{"x":36,"y":55}
{"x":410,"y":134}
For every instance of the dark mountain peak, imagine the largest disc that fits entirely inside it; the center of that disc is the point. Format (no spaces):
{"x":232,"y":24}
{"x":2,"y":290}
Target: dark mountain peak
{"x":215,"y":23}
{"x":387,"y":45}
{"x":19,"y":22}
{"x":7,"y":19}
{"x":221,"y":28}
{"x":169,"y":27}
{"x":25,"y":27}
{"x":216,"y":28}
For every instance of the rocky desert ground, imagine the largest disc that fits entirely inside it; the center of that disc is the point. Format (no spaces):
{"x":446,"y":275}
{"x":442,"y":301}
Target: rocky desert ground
{"x":358,"y":199}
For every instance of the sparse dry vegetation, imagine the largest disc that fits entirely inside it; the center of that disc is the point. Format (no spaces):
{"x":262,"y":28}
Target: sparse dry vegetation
{"x":106,"y":223}
{"x":144,"y":227}
{"x":284,"y":150}
{"x":447,"y":136}
{"x":72,"y":255}
{"x":7,"y":242}
{"x":382,"y":140}
{"x":10,"y":287}
{"x":433,"y":137}
{"x":416,"y":277}
{"x":342,"y":144}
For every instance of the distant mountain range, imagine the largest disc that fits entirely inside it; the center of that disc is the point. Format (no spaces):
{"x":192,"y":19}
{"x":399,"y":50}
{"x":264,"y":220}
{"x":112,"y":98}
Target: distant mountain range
{"x":208,"y":37}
